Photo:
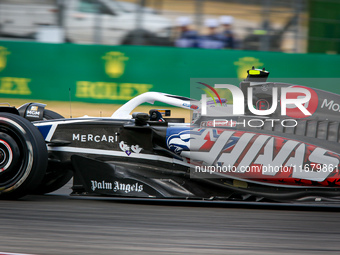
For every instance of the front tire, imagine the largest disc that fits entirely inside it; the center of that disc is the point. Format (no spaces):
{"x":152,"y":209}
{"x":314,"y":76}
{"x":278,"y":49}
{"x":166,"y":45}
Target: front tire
{"x":23,"y":156}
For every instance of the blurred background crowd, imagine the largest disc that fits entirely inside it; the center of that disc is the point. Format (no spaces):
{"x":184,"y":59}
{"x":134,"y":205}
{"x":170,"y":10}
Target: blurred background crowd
{"x":269,"y":25}
{"x":214,"y":39}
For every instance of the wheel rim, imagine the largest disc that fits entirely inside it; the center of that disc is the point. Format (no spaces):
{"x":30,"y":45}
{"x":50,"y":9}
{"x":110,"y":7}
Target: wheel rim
{"x":6,"y":156}
{"x":14,"y":158}
{"x":2,"y":156}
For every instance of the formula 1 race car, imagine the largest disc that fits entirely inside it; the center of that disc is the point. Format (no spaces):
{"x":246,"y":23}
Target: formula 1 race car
{"x":255,"y":149}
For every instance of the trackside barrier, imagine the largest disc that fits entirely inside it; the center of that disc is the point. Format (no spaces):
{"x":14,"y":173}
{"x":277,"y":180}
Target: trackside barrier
{"x":115,"y":74}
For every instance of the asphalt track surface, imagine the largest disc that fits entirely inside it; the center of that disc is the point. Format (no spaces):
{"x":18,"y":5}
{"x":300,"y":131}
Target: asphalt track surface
{"x":60,"y":224}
